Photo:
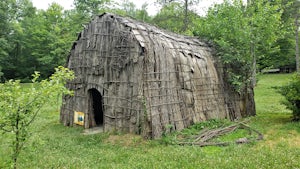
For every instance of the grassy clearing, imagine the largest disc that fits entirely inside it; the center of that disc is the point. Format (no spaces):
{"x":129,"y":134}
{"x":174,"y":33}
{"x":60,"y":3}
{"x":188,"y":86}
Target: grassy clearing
{"x":55,"y":146}
{"x":266,"y":98}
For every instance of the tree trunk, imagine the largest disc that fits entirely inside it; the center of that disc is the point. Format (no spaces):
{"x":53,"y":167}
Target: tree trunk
{"x":185,"y":20}
{"x":253,"y":80}
{"x":297,"y":41}
{"x":252,"y":49}
{"x":17,"y":142}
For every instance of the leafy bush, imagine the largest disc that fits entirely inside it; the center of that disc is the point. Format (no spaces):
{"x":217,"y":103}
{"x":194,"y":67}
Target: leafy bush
{"x":291,"y":92}
{"x":20,"y":105}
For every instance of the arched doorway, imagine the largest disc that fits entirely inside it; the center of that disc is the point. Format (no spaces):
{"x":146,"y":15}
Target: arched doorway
{"x":95,"y":108}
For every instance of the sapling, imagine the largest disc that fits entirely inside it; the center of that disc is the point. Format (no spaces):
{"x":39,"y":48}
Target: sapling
{"x":19,"y":105}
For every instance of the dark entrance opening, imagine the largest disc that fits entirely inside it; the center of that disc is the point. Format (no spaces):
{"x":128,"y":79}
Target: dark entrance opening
{"x":96,"y":108}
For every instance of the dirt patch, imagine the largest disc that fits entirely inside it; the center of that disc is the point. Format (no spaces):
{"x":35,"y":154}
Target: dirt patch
{"x":94,"y":130}
{"x":125,"y":140}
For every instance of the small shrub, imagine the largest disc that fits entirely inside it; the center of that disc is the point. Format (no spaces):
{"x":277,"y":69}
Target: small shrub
{"x":19,"y":106}
{"x":291,"y":92}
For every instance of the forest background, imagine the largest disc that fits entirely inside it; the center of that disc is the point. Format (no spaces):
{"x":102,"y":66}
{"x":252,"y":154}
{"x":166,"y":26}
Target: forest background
{"x":256,"y":34}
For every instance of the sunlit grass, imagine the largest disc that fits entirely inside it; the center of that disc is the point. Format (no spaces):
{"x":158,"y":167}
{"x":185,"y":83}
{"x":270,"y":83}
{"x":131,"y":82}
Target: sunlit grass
{"x":266,"y":98}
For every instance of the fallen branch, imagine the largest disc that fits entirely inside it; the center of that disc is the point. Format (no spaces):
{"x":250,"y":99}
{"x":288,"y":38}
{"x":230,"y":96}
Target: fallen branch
{"x":206,"y":135}
{"x":260,"y":135}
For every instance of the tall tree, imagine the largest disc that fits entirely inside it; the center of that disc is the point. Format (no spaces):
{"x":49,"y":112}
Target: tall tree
{"x":172,"y":17}
{"x":142,"y":14}
{"x":55,"y":46}
{"x":297,"y":40}
{"x":38,"y":40}
{"x":12,"y":55}
{"x":185,"y":14}
{"x":284,"y":56}
{"x":295,"y":11}
{"x":129,"y":9}
{"x":265,"y":30}
{"x":243,"y":35}
{"x":186,"y":19}
{"x":45,"y":41}
{"x":88,"y":8}
{"x":5,"y":27}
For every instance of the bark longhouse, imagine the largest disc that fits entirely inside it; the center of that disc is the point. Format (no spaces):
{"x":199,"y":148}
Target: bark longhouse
{"x":133,"y":77}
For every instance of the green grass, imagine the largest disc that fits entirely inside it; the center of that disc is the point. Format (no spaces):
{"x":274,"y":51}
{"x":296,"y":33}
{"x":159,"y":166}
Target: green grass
{"x":54,"y":146}
{"x":266,"y":98}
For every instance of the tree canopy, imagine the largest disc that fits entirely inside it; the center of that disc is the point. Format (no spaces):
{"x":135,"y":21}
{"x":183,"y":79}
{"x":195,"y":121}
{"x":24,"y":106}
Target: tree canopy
{"x":261,"y":32}
{"x":244,"y":35}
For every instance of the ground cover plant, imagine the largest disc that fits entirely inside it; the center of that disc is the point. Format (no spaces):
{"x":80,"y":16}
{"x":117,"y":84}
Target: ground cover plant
{"x":52,"y":145}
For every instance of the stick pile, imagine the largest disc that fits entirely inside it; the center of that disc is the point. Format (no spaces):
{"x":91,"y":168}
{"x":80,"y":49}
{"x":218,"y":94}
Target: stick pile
{"x":204,"y":137}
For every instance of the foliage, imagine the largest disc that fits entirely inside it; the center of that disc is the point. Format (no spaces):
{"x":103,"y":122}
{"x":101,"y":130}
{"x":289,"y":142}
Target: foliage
{"x":90,"y":7}
{"x":294,"y":13}
{"x":291,"y":92}
{"x":37,"y":40}
{"x":1,"y":73}
{"x":19,"y":106}
{"x":7,"y":14}
{"x":285,"y":55}
{"x":48,"y":40}
{"x":129,"y":9}
{"x":242,"y":34}
{"x":172,"y":17}
{"x":40,"y":40}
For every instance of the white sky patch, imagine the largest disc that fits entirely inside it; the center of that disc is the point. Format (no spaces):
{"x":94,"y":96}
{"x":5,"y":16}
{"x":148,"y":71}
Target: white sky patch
{"x":152,"y":9}
{"x":44,"y":4}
